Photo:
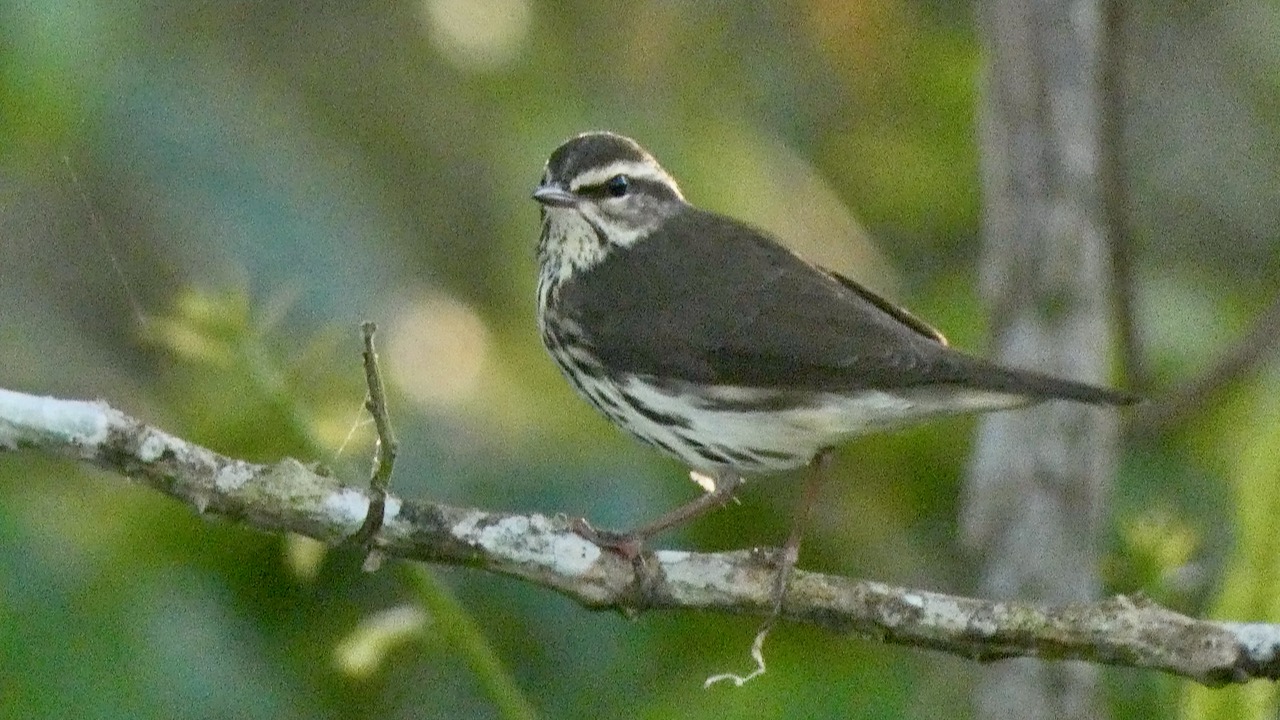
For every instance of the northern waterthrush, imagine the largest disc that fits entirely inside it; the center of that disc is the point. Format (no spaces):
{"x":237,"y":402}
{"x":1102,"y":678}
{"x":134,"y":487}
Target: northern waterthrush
{"x":709,"y":340}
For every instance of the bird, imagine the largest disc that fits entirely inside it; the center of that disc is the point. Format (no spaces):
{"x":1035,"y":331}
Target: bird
{"x":709,"y":340}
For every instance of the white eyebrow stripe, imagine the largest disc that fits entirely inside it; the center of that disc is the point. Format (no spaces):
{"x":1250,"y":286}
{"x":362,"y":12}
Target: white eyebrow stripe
{"x":630,"y":168}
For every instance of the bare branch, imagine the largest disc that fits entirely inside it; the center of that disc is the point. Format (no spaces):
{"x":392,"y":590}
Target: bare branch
{"x":288,"y":496}
{"x":1114,"y":188}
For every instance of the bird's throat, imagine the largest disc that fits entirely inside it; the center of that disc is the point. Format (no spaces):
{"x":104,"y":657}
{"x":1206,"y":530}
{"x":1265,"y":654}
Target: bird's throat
{"x":570,"y":243}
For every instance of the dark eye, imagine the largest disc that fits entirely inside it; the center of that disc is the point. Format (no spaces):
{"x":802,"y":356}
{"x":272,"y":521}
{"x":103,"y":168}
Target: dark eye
{"x":617,"y":185}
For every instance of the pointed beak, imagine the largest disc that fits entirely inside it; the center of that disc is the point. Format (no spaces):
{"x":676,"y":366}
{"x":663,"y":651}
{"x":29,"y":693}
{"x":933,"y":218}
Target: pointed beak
{"x":553,"y":196}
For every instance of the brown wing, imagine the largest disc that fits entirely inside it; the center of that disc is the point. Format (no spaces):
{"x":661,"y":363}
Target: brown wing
{"x":710,"y":300}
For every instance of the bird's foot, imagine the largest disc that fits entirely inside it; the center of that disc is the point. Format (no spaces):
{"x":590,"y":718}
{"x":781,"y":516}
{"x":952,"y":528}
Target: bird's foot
{"x":630,"y":545}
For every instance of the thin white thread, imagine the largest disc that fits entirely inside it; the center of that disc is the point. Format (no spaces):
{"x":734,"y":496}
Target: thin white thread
{"x":757,"y":654}
{"x":355,"y":425}
{"x":96,"y":229}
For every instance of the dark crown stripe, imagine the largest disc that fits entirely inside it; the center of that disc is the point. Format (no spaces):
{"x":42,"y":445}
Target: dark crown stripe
{"x":591,"y":150}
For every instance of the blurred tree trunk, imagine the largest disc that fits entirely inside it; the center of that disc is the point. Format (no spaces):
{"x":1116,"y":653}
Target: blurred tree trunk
{"x":1039,"y":477}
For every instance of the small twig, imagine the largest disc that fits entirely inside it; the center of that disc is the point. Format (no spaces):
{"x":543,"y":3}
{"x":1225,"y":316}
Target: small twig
{"x":1261,"y":340}
{"x":384,"y":458}
{"x":1115,"y":196}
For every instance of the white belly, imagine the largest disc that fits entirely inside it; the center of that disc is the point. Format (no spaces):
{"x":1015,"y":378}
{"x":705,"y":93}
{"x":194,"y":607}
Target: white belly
{"x":783,"y":439}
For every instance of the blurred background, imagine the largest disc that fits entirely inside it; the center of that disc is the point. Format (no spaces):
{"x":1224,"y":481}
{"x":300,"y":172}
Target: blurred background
{"x":200,"y":201}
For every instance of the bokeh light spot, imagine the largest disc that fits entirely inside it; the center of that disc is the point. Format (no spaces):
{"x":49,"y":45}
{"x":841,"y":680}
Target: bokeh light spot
{"x":481,"y":35}
{"x":438,"y":347}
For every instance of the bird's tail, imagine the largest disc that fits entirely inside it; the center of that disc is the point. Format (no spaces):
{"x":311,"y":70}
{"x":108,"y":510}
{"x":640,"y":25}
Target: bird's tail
{"x":1037,"y":386}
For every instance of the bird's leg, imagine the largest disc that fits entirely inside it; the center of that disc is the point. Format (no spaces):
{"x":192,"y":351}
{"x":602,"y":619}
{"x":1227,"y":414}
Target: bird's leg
{"x":787,"y":558}
{"x":631,"y":542}
{"x":791,"y":550}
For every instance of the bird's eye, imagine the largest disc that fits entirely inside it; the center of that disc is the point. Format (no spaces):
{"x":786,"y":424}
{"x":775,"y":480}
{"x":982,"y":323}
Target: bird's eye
{"x":617,"y":185}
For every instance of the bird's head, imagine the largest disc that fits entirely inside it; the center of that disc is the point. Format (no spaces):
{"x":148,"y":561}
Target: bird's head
{"x":601,"y":191}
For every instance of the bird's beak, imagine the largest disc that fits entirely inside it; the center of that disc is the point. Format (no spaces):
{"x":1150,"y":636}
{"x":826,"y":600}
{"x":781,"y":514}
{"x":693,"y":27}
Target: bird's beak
{"x":553,"y":196}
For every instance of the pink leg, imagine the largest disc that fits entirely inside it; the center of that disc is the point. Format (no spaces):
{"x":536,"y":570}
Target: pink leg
{"x":631,"y":543}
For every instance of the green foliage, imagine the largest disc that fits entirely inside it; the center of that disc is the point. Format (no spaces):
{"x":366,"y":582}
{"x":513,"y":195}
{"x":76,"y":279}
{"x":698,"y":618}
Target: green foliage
{"x":1251,"y":588}
{"x":262,"y":397}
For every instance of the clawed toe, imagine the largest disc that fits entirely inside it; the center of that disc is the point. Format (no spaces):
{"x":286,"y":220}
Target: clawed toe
{"x":629,"y":545}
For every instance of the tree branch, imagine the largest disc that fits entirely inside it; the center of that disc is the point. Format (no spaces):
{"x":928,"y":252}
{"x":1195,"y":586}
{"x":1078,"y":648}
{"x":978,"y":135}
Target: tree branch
{"x":289,"y":496}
